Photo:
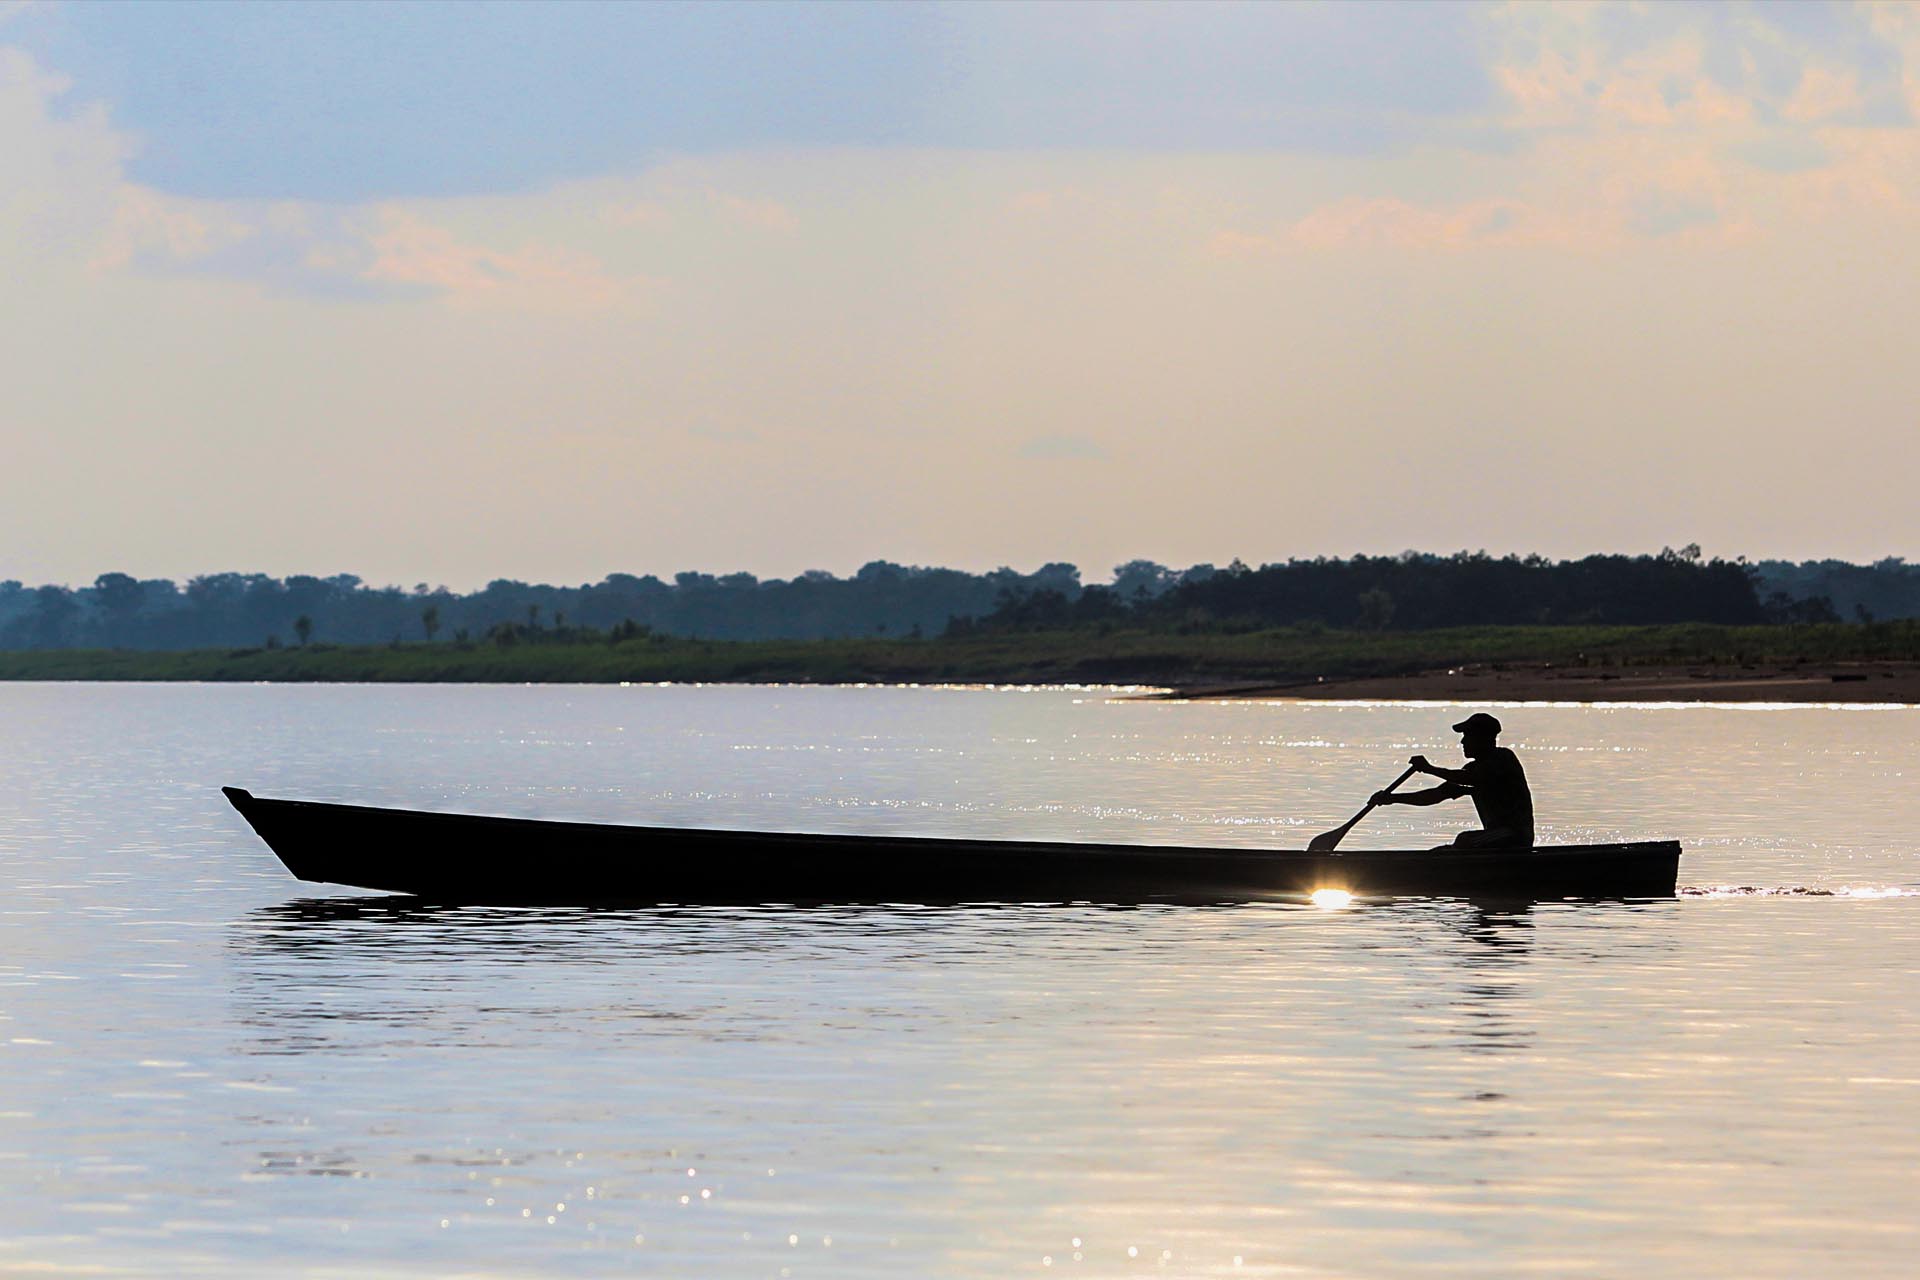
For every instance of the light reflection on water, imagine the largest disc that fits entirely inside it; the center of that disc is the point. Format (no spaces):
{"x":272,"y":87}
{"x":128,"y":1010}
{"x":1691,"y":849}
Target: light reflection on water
{"x":212,"y":1068}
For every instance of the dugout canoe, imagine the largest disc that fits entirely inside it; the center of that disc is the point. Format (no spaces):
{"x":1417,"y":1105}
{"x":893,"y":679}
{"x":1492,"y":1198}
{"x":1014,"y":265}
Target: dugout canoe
{"x":450,"y":857}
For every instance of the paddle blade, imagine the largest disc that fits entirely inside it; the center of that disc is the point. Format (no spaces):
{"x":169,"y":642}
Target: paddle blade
{"x":1328,"y":841}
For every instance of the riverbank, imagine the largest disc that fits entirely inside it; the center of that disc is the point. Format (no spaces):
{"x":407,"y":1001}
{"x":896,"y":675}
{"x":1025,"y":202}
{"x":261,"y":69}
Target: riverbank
{"x":1835,"y":662}
{"x":1821,"y":683}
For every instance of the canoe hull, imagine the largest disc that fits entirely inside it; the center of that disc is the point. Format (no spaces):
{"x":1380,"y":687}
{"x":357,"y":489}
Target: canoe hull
{"x":471,"y":858}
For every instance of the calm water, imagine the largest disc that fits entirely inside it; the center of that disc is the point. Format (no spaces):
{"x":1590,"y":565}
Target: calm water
{"x":207,"y":1067}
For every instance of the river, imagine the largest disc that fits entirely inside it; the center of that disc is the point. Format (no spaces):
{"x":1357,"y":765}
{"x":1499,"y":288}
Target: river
{"x":209,"y":1068}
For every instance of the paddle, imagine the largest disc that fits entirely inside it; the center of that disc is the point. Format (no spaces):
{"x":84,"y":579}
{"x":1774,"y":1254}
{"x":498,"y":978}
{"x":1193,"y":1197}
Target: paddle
{"x":1326,"y":842}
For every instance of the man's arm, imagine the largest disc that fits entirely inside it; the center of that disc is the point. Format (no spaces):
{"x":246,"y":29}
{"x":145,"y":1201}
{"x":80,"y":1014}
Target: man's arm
{"x":1433,"y":795}
{"x":1445,"y":775}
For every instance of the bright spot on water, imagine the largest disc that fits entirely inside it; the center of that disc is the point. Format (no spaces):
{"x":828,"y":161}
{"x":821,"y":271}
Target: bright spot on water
{"x":1331,"y":899}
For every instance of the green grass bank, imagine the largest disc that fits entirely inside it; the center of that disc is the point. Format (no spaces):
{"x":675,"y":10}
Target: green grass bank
{"x":1090,"y":655}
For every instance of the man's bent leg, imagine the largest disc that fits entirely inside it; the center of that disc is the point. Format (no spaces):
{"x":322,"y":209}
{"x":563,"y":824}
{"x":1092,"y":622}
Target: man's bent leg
{"x":1500,"y":838}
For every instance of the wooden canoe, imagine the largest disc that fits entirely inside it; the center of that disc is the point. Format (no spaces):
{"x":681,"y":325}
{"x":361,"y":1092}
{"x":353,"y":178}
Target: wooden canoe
{"x":451,"y":857}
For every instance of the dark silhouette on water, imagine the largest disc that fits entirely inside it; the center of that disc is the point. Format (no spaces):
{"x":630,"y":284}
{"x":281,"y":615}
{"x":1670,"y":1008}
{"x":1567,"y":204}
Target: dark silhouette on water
{"x":474,"y":858}
{"x":1492,"y":779}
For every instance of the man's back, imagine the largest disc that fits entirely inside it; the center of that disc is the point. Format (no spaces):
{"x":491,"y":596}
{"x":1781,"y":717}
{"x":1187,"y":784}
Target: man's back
{"x":1498,"y":786}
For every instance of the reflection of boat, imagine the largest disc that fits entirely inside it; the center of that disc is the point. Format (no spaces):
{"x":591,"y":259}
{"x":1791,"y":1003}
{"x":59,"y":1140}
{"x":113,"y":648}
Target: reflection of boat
{"x":467,"y":858}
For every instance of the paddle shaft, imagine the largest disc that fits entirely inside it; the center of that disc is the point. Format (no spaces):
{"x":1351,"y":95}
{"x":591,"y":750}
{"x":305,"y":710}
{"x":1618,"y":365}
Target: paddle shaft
{"x":1333,"y":837}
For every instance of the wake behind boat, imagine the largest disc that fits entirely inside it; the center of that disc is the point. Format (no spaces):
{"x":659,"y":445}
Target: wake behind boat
{"x":472,"y":858}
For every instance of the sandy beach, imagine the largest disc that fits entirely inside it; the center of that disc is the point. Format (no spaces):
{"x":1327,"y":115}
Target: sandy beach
{"x":1863,"y":682}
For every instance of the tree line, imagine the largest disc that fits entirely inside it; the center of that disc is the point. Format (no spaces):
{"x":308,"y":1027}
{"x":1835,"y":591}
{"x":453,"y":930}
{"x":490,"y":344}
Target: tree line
{"x":1413,"y":591}
{"x":227,"y":610}
{"x":1406,"y":592}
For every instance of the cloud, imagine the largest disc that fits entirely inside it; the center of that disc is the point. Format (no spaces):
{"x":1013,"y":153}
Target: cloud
{"x":766,"y":215}
{"x":1640,"y":123}
{"x":1674,"y":66}
{"x":1604,"y":199}
{"x":61,"y":168}
{"x":280,"y":247}
{"x":68,"y":205}
{"x":1795,"y":152}
{"x":374,"y":253}
{"x":1660,"y":213}
{"x":1659,"y":87}
{"x":1404,"y":225}
{"x":409,"y":250}
{"x":1823,"y":93}
{"x":1899,"y":26}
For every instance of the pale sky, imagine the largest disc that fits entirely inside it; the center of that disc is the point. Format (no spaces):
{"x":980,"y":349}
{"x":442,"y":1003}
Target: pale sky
{"x":445,"y":293}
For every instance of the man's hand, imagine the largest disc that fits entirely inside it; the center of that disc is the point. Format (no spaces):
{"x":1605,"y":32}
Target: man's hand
{"x":1381,"y":797}
{"x":1420,"y":763}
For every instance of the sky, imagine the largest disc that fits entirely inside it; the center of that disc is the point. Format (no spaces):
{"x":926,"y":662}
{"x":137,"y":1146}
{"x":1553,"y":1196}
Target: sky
{"x":453,"y":292}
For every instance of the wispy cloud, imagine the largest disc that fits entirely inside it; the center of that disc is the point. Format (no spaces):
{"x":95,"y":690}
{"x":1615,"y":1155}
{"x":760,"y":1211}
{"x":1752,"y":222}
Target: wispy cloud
{"x":1401,"y":224}
{"x":409,"y":250}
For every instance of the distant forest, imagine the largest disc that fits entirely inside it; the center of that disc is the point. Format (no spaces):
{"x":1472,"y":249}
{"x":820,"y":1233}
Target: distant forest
{"x":1412,"y":591}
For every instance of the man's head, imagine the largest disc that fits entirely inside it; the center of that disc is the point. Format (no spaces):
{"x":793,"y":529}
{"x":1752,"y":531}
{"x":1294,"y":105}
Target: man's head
{"x":1477,"y":733}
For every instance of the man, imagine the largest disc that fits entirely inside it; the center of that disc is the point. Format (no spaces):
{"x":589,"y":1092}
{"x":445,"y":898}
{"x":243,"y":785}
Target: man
{"x":1493,"y":777}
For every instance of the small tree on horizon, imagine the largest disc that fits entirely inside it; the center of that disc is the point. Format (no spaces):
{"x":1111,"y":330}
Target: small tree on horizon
{"x":430,"y":621}
{"x":303,"y":628}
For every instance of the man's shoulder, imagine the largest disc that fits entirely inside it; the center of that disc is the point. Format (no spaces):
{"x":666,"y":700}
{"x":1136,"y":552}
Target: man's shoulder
{"x":1497,"y":761}
{"x":1505,"y":761}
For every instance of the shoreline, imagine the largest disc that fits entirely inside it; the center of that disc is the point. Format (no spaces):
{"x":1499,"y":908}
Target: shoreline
{"x":1861,"y":684}
{"x":1838,"y":663}
{"x":1808,"y":683}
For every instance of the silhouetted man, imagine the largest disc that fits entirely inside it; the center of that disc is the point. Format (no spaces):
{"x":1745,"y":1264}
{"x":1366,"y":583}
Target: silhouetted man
{"x":1493,"y":778}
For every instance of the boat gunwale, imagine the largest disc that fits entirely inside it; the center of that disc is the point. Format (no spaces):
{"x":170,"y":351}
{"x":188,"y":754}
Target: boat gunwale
{"x":243,"y":800}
